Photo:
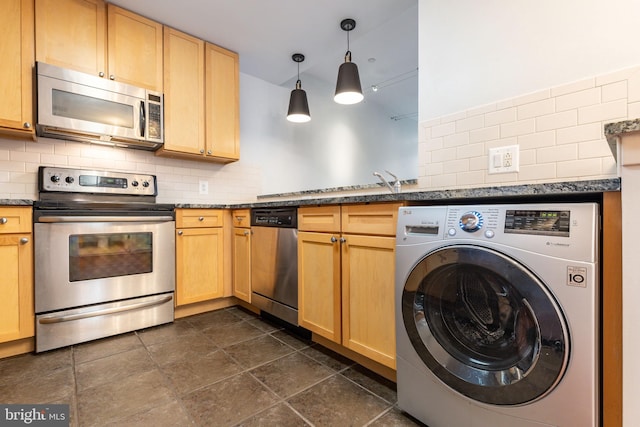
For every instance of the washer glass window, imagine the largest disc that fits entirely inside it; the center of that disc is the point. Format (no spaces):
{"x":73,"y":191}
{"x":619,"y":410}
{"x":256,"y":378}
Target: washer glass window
{"x":485,"y":325}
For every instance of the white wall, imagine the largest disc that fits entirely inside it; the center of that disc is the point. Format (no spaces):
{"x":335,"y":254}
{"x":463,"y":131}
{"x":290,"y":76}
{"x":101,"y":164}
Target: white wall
{"x":342,"y":144}
{"x":478,"y":52}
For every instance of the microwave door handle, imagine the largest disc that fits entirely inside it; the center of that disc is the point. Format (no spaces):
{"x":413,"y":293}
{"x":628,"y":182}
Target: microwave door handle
{"x":143,"y":121}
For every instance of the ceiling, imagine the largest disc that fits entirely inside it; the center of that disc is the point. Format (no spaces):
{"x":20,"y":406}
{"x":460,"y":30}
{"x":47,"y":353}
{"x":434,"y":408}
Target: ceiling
{"x":384,"y":43}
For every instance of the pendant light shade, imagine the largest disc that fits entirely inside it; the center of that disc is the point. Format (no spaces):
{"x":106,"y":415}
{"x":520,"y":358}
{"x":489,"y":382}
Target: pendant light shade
{"x":348,"y":88}
{"x":298,"y":105}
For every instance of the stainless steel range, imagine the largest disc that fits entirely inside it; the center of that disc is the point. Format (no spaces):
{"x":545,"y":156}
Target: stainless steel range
{"x":104,"y":256}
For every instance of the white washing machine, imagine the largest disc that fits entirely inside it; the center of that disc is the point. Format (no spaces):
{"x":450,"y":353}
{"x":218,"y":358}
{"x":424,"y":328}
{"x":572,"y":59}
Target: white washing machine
{"x":497,"y":314}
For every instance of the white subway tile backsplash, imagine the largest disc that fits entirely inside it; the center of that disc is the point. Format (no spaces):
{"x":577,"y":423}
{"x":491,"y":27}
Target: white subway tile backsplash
{"x":634,"y":87}
{"x":579,"y":168}
{"x":557,"y":120}
{"x":633,"y":109}
{"x":614,"y":91}
{"x":521,"y":127}
{"x":500,"y":117}
{"x":444,"y":155}
{"x":484,"y":134}
{"x":456,"y":166}
{"x":578,"y":99}
{"x":456,"y":140}
{"x":471,"y":178}
{"x":603,"y":112}
{"x":453,"y":117}
{"x":537,"y":172}
{"x":616,"y":76}
{"x":536,"y":140}
{"x":534,"y":109}
{"x":532,"y":97}
{"x":573,"y":87}
{"x":443,"y":129}
{"x":592,"y":149}
{"x":557,"y":154}
{"x":483,"y":109}
{"x":579,"y":133}
{"x":470,"y":123}
{"x":470,"y":151}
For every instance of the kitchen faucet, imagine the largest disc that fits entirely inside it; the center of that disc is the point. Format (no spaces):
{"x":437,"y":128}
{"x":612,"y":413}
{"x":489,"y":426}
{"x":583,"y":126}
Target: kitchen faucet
{"x":396,"y":185}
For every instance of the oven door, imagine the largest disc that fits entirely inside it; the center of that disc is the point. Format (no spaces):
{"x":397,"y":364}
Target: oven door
{"x":83,"y":263}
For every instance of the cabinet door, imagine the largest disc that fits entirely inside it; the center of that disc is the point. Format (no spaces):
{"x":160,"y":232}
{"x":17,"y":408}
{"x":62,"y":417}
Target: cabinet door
{"x":72,"y":34}
{"x":319,"y":284}
{"x":16,"y":57}
{"x":183,"y":93}
{"x":242,"y":264}
{"x":368,"y":275}
{"x":222,"y":103}
{"x":16,"y":287}
{"x":135,"y":49}
{"x":199,"y":264}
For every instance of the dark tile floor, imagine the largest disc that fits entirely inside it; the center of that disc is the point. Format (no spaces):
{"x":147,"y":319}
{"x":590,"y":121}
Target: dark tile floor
{"x":223,"y":368}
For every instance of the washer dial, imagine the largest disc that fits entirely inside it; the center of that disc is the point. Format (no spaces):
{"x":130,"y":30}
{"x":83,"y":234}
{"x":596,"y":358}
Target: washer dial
{"x":471,"y":221}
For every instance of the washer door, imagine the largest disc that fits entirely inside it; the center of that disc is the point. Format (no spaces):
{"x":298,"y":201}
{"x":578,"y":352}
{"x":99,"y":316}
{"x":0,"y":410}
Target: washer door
{"x":485,"y":325}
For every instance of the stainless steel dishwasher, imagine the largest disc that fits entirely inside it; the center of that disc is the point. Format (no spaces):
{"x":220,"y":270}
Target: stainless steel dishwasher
{"x":274,"y":262}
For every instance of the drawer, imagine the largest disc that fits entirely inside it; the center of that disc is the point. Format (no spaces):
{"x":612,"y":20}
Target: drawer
{"x":199,"y":218}
{"x":319,"y":218}
{"x":15,"y":219}
{"x":380,"y":219}
{"x":241,"y":218}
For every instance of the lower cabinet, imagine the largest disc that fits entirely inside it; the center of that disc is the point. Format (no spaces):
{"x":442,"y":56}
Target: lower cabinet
{"x":346,"y":277}
{"x":199,"y":255}
{"x":241,"y":254}
{"x":16,"y":279}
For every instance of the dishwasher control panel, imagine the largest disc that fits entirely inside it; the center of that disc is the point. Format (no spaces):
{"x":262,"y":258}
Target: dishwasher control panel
{"x":278,"y":217}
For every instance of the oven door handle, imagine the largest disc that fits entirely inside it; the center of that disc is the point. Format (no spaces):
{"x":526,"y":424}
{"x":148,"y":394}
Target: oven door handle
{"x":96,"y":313}
{"x":59,"y":218}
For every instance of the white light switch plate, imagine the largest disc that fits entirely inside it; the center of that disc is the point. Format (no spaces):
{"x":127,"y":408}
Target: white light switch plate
{"x":504,"y":159}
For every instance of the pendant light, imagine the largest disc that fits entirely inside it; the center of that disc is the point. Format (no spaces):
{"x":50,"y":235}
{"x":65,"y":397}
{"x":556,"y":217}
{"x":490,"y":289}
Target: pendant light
{"x":348,"y":89}
{"x":298,"y":105}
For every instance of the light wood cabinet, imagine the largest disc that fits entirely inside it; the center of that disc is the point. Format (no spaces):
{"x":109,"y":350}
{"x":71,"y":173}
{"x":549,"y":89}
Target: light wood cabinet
{"x":16,"y":77}
{"x":346,"y":276}
{"x":99,"y":39}
{"x":17,"y":314}
{"x":241,"y":254}
{"x":201,"y":100}
{"x":199,"y":255}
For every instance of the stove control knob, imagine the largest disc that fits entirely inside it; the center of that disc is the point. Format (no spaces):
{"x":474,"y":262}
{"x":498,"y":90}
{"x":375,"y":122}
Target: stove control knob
{"x":145,"y":184}
{"x":471,"y":221}
{"x":134,"y":183}
{"x":55,"y":178}
{"x":69,"y":180}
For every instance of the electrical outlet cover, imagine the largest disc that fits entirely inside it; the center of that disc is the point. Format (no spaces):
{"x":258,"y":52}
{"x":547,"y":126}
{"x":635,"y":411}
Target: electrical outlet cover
{"x":504,"y":159}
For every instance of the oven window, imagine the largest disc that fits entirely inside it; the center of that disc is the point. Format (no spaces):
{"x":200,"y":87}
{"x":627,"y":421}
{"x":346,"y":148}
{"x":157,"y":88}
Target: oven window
{"x":96,"y":256}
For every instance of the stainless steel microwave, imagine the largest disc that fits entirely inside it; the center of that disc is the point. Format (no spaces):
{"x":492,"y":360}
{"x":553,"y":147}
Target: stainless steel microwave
{"x":82,"y":107}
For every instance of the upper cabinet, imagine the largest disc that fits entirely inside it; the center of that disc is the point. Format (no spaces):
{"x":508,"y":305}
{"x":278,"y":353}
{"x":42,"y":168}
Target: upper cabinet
{"x":16,"y":78}
{"x":83,"y":34}
{"x":201,"y":108}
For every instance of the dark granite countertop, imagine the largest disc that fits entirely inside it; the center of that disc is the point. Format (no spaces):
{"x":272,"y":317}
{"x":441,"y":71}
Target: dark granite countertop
{"x":475,"y":195}
{"x":555,"y":190}
{"x":16,"y":202}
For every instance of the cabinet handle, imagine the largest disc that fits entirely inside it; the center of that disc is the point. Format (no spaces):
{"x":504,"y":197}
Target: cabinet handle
{"x":333,"y":239}
{"x":202,"y":151}
{"x":112,"y":77}
{"x":201,"y":218}
{"x":246,"y":233}
{"x":180,"y":233}
{"x":343,"y":240}
{"x":27,"y":125}
{"x":239,"y":218}
{"x":24,"y":240}
{"x":3,"y":220}
{"x":208,"y":151}
{"x":101,"y":74}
